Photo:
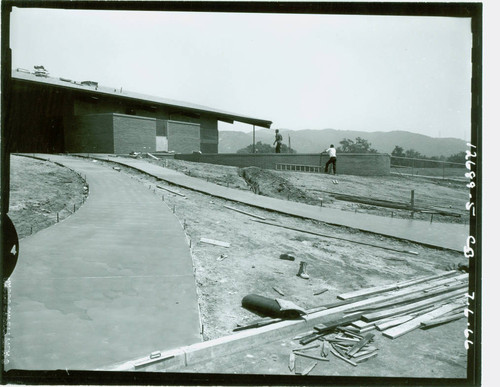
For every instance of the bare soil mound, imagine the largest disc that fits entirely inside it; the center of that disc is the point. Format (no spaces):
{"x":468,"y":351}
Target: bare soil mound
{"x":270,"y":183}
{"x":40,"y":192}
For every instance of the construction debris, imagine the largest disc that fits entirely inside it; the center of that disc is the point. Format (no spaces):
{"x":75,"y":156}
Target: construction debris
{"x":298,"y":353}
{"x":419,"y":303}
{"x":320,"y":291}
{"x":153,"y":157}
{"x":442,"y":320}
{"x":171,"y":191}
{"x":244,"y":212}
{"x":303,"y":270}
{"x":278,"y":291}
{"x":215,"y":242}
{"x":309,"y":369}
{"x":221,"y":257}
{"x":287,"y":256}
{"x":291,"y":362}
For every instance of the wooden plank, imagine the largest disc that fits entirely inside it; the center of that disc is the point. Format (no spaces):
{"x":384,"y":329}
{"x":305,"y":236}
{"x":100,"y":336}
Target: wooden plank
{"x":356,"y":347}
{"x":324,"y":349}
{"x":307,"y":348}
{"x":413,"y":297}
{"x":362,"y":324}
{"x":366,"y":357}
{"x":397,"y":285}
{"x":214,"y":242}
{"x":309,"y":369}
{"x":366,"y":350}
{"x":153,"y":157}
{"x":291,"y":362}
{"x":394,"y":322}
{"x":298,"y":353}
{"x":442,"y":320}
{"x":357,"y":303}
{"x":326,"y":327}
{"x":413,"y":306}
{"x":171,"y":191}
{"x":367,"y":329}
{"x":302,"y":335}
{"x":361,"y":305}
{"x":244,"y":212}
{"x":337,"y":354}
{"x":402,"y":329}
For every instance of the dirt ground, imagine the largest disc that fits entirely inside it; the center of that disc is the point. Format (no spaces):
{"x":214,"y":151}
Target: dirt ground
{"x":312,"y":188}
{"x":39,"y":191}
{"x":252,"y":263}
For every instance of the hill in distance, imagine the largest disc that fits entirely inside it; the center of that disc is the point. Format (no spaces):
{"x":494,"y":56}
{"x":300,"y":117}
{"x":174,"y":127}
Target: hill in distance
{"x":312,"y":141}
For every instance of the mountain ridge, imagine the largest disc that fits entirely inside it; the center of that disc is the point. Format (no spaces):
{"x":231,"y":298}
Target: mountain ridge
{"x":317,"y":140}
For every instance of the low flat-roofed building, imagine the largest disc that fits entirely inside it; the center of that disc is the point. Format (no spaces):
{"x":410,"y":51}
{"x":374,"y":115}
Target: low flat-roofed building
{"x":58,"y":115}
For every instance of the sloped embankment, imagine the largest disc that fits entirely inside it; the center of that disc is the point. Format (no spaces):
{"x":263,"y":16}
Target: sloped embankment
{"x":270,"y":183}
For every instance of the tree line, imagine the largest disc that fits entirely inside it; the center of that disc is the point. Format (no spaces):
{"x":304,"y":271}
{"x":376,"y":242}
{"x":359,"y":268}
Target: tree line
{"x":360,"y":145}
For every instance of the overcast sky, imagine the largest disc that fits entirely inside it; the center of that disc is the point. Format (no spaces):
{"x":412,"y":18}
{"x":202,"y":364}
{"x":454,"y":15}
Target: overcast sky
{"x":368,"y":73}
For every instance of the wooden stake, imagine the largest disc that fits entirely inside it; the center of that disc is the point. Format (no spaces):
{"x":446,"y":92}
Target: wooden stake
{"x":309,"y":369}
{"x":291,"y":362}
{"x":310,"y":356}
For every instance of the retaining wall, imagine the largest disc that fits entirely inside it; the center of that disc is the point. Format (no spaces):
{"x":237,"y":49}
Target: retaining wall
{"x":361,"y":164}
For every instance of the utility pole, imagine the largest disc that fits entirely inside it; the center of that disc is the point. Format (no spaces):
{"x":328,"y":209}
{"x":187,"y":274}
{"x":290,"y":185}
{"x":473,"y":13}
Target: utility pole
{"x":289,"y":145}
{"x":253,"y":147}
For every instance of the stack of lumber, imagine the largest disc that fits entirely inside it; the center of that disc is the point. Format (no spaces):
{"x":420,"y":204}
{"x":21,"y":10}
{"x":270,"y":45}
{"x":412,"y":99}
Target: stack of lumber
{"x":394,"y":309}
{"x":415,"y":304}
{"x":400,"y":308}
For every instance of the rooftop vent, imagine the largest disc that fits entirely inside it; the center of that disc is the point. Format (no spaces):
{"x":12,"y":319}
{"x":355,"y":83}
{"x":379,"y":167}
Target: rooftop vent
{"x":40,"y":71}
{"x":90,"y":83}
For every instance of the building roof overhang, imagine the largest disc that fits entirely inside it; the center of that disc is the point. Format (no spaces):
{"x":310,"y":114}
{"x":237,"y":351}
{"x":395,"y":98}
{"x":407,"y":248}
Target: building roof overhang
{"x":152,"y":101}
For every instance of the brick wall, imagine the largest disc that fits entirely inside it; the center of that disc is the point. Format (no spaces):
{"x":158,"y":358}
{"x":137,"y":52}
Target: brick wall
{"x":134,"y":133}
{"x":183,"y":137}
{"x":347,"y":163}
{"x":90,"y":133}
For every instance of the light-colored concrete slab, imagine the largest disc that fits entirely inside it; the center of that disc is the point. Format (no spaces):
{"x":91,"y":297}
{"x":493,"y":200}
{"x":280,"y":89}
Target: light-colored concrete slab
{"x":441,"y":235}
{"x":113,"y":281}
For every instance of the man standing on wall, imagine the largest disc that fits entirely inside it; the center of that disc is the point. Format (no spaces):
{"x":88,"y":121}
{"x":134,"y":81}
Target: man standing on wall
{"x":333,"y":158}
{"x":277,"y":141}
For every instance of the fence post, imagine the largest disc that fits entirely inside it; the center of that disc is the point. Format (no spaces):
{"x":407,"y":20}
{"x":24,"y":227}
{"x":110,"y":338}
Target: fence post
{"x":412,"y":201}
{"x":443,"y":169}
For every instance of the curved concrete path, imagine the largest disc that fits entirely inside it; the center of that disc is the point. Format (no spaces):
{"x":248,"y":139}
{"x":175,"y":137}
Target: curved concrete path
{"x":441,"y":235}
{"x":112,"y":282}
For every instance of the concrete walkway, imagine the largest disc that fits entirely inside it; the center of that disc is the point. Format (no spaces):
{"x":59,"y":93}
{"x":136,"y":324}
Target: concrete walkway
{"x":441,"y":235}
{"x":112,"y":282}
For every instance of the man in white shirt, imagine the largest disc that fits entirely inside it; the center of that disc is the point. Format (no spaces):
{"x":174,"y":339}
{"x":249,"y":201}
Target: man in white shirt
{"x":332,"y":152}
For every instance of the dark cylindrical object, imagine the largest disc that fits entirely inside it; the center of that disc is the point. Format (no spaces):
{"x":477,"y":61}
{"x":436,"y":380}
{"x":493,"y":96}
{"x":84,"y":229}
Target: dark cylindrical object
{"x":262,"y":305}
{"x":267,"y":307}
